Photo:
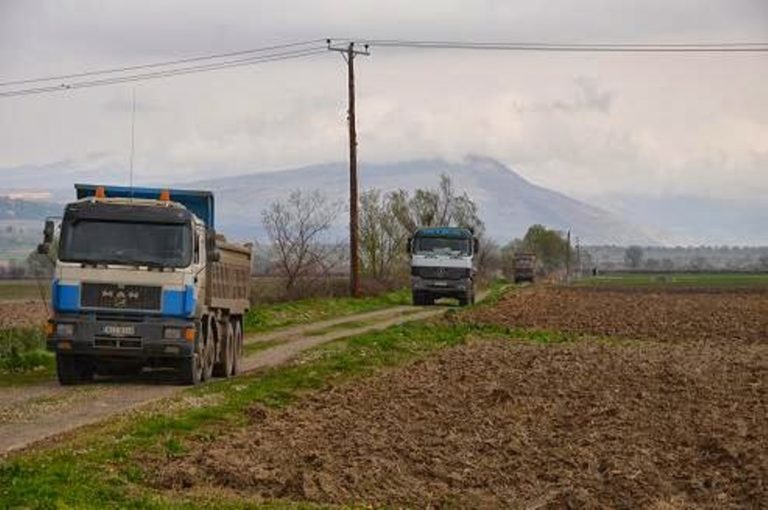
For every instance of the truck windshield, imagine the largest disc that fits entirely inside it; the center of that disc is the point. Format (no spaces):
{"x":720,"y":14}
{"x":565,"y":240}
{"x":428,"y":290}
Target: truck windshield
{"x":115,"y":242}
{"x":440,"y":246}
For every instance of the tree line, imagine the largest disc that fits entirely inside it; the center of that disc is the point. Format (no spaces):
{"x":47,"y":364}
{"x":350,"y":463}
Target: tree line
{"x":303,"y":251}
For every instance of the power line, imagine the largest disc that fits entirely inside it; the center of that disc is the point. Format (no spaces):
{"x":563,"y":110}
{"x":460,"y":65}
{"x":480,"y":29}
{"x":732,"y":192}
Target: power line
{"x":167,"y":73}
{"x":166,"y":63}
{"x":307,"y":48}
{"x":726,"y":47}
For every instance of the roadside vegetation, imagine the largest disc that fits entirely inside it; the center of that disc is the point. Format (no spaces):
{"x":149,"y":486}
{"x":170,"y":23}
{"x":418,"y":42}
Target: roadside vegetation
{"x":304,"y":311}
{"x":23,"y":358}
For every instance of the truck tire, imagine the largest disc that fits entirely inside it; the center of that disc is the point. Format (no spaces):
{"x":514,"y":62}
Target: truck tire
{"x":191,"y":370}
{"x":226,"y":350}
{"x":468,"y":298}
{"x":238,"y":344}
{"x":73,"y":370}
{"x":209,"y":349}
{"x":423,"y":299}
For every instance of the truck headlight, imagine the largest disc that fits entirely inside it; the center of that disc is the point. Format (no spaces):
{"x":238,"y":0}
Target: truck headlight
{"x":172,"y":333}
{"x":63,"y":329}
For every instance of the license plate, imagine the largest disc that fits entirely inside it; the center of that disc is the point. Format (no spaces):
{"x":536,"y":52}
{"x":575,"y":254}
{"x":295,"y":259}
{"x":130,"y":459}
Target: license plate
{"x":440,"y":284}
{"x":119,"y":330}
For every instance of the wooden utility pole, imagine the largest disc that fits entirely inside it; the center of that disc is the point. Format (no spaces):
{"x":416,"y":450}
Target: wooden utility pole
{"x":349,"y":53}
{"x":568,"y":258}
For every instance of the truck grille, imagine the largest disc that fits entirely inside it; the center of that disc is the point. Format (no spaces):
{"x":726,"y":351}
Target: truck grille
{"x":441,"y":273}
{"x":120,"y":297}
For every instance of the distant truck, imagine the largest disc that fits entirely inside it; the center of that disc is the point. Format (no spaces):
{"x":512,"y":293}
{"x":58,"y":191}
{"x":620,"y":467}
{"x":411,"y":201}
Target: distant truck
{"x":443,"y":264}
{"x":143,"y":280}
{"x":525,"y":267}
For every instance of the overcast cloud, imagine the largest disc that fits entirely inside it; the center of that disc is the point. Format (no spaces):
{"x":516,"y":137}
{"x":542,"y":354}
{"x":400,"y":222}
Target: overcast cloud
{"x":582,"y":124}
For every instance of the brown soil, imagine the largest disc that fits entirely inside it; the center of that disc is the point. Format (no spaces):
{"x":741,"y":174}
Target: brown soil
{"x":22,"y":314}
{"x":513,"y":424}
{"x":683,"y":314}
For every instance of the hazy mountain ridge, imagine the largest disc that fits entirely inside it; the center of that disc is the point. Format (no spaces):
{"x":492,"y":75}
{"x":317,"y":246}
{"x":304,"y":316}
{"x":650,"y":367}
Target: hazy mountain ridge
{"x":508,"y":203}
{"x":692,"y":220}
{"x":16,"y":209}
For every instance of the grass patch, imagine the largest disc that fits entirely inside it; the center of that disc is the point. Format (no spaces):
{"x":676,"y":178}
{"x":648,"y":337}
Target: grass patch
{"x":254,"y":347}
{"x":23,"y":358}
{"x":339,"y":327}
{"x":696,"y":280}
{"x":12,"y":290}
{"x":279,"y":315}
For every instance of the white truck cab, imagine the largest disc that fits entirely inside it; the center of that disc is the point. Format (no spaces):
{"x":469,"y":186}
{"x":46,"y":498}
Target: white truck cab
{"x":443,"y":264}
{"x":143,"y":280}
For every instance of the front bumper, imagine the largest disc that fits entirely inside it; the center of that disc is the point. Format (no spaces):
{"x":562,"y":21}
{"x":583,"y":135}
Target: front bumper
{"x":137,"y":338}
{"x":441,"y":287}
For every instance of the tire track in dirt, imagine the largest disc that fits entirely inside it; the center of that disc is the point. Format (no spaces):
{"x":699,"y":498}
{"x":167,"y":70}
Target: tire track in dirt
{"x":34,"y":413}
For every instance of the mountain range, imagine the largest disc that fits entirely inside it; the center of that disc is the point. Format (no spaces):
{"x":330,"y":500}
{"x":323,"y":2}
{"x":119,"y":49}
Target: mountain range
{"x":508,"y":203}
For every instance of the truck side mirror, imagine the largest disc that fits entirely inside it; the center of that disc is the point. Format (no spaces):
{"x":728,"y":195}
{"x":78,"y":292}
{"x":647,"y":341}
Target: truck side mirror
{"x":48,"y":232}
{"x":409,"y":245}
{"x":475,"y":245}
{"x":44,"y":248}
{"x":211,"y":250}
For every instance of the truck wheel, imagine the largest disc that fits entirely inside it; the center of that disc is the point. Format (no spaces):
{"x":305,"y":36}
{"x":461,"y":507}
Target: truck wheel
{"x":72,"y":370}
{"x":227,"y":351}
{"x":191,"y":370}
{"x":238,"y":347}
{"x":416,"y":298}
{"x":209,"y":350}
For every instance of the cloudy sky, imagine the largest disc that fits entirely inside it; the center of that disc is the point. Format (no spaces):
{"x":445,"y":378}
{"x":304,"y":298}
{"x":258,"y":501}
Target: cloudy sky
{"x":584,"y":124}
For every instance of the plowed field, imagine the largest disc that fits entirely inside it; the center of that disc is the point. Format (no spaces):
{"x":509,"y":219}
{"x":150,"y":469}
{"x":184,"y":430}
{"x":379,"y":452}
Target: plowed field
{"x":676,"y":420}
{"x":669,"y":315}
{"x":20,"y":314}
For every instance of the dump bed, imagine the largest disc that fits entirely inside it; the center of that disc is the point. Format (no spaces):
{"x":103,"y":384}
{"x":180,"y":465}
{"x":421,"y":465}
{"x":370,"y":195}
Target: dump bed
{"x":229,"y":279}
{"x":525,"y":267}
{"x":200,"y":203}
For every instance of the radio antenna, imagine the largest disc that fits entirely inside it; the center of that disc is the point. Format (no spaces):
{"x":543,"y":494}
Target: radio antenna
{"x":133,"y":135}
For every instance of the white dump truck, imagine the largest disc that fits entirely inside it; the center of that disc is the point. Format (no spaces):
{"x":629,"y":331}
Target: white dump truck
{"x":443,"y":264}
{"x":141,"y":280}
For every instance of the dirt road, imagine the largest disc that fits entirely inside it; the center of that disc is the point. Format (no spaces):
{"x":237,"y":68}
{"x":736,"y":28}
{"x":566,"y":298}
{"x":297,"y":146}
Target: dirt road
{"x":33,"y":413}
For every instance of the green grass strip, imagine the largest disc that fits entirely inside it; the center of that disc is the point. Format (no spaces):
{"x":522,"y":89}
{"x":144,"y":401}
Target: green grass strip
{"x":279,"y":315}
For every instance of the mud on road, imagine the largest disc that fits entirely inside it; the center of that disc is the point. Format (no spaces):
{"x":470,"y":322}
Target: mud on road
{"x":513,"y":424}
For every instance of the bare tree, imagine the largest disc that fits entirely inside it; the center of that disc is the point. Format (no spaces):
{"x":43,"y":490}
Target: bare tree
{"x":436,"y":207}
{"x":633,"y":257}
{"x":488,"y":257}
{"x":382,"y":236}
{"x":298,"y":228}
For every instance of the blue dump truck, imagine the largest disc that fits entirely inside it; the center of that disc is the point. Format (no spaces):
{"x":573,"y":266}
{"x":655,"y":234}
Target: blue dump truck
{"x":142,"y":280}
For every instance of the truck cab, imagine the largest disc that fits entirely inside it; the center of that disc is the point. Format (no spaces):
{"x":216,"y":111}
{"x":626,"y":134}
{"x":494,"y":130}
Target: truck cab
{"x":134,"y":286}
{"x":443,"y":264}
